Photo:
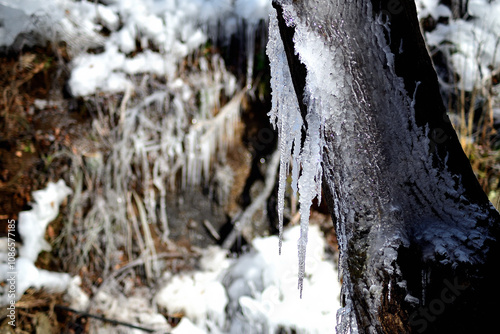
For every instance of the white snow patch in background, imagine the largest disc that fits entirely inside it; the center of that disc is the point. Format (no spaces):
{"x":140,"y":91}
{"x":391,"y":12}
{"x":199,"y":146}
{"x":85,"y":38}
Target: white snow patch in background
{"x":134,"y":308}
{"x":432,"y":8}
{"x":53,"y":20}
{"x":31,"y":227}
{"x":27,"y":275}
{"x":95,"y":72}
{"x":263,"y":292}
{"x":473,"y":46}
{"x":186,"y":326}
{"x":199,"y":295}
{"x":175,"y":28}
{"x":257,"y":293}
{"x":77,"y":298}
{"x":253,"y":11}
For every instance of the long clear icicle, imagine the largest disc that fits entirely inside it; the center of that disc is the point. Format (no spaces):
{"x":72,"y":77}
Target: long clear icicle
{"x":286,"y":116}
{"x":285,"y":113}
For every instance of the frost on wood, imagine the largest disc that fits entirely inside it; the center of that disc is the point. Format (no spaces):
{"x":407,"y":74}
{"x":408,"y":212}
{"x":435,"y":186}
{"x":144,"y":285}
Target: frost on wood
{"x":389,"y":188}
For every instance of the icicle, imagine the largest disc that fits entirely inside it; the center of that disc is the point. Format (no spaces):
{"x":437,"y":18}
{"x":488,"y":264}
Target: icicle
{"x":286,"y":116}
{"x":250,"y":51}
{"x":309,"y":182}
{"x":285,"y":113}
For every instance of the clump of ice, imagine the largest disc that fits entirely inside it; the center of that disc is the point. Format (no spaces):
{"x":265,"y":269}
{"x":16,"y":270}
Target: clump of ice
{"x":31,"y":227}
{"x":290,"y":125}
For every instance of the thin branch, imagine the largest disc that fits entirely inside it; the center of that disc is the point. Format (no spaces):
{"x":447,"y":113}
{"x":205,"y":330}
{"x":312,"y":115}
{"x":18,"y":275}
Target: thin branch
{"x":246,"y":216}
{"x":104,"y":319}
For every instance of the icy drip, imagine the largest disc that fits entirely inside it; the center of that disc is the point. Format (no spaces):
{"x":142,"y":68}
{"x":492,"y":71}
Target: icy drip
{"x":285,"y":115}
{"x":250,"y":52}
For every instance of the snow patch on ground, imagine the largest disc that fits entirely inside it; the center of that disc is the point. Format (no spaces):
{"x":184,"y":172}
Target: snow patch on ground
{"x":257,"y":293}
{"x":263,"y":292}
{"x":199,"y":295}
{"x":31,"y":227}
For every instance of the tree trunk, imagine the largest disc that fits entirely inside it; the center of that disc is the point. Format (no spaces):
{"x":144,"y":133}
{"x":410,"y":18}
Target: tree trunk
{"x":417,"y":235}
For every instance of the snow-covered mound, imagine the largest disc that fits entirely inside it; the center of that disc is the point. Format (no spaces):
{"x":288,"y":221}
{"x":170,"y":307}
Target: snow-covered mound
{"x":257,"y":293}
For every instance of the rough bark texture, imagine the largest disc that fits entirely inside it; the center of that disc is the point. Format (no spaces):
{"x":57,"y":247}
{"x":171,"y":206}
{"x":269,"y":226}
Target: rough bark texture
{"x":443,"y":228}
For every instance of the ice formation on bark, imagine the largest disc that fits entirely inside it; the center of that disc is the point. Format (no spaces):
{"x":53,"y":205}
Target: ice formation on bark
{"x":360,"y":131}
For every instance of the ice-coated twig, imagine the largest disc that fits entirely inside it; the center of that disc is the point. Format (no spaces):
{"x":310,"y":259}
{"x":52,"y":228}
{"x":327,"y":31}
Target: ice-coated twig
{"x":206,"y":136}
{"x":211,"y":229}
{"x":246,"y":217}
{"x":104,"y":319}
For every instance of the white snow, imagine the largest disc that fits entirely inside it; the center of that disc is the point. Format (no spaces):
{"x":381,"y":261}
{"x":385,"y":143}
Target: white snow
{"x":29,"y":276}
{"x":55,"y":20}
{"x":77,"y":298}
{"x":31,"y":227}
{"x":472,"y":45}
{"x":257,"y":293}
{"x":253,"y":11}
{"x":134,"y":308}
{"x":262,"y":287}
{"x":199,"y":295}
{"x":176,"y":29}
{"x":33,"y":223}
{"x":432,"y":8}
{"x":185,"y":326}
{"x":254,"y":293}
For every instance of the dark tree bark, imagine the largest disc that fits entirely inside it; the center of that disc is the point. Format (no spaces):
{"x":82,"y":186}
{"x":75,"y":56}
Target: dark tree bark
{"x":418,"y":236}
